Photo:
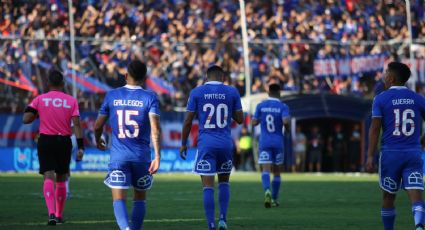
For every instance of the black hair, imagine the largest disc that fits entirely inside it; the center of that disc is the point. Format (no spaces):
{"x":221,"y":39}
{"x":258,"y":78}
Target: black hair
{"x":401,"y":72}
{"x":137,"y":70}
{"x":274,"y":89}
{"x":55,"y":77}
{"x":215,"y":72}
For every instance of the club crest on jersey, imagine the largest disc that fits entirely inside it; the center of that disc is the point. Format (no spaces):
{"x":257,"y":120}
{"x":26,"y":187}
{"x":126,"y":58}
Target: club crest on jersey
{"x":390,"y":183}
{"x":264,"y":156}
{"x":144,"y":182}
{"x":227,"y":165}
{"x":203,"y":165}
{"x":117,"y":176}
{"x":415,"y":178}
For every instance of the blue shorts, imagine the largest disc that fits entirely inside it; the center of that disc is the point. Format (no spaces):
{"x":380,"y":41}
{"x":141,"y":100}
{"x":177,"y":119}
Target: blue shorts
{"x":270,"y":156}
{"x":400,"y":169}
{"x":124,"y":174}
{"x":209,"y":161}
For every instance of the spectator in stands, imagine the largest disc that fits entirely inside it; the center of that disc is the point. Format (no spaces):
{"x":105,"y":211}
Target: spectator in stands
{"x":300,"y":145}
{"x":354,"y":149}
{"x":337,"y":149}
{"x":315,"y":149}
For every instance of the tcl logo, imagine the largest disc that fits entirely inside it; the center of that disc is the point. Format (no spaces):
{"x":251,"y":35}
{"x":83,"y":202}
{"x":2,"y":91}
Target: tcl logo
{"x":56,"y":102}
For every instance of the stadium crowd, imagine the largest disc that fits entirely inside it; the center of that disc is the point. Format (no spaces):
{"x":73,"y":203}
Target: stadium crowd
{"x":179,"y":39}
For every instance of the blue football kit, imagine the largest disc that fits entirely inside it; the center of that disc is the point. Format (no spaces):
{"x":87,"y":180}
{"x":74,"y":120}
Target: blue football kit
{"x":214,"y":103}
{"x":400,"y":163}
{"x":271,"y":113}
{"x":128,"y":109}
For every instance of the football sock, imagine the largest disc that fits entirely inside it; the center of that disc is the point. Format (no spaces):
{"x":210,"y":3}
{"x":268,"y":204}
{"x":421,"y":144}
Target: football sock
{"x":265,"y":178}
{"x":388,"y":218}
{"x":120,"y":211}
{"x":275,"y":187}
{"x":209,"y":207}
{"x":418,"y":212}
{"x":223,"y":199}
{"x":138,"y":214}
{"x":60,"y":198}
{"x":49,"y":195}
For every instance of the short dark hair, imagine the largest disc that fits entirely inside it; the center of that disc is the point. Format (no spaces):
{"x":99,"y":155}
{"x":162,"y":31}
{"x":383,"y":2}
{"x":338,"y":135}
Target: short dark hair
{"x":215,"y":72}
{"x":401,"y":71}
{"x":55,"y":77}
{"x":274,"y":88}
{"x":137,"y":70}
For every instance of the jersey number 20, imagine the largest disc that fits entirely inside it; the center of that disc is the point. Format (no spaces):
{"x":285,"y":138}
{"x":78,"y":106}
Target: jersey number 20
{"x":221,"y":113}
{"x":124,"y":116}
{"x":407,"y":119}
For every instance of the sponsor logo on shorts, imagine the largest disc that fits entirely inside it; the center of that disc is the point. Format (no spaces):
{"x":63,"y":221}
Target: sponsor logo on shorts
{"x":390,"y":183}
{"x":227,"y":166}
{"x":144,"y":182}
{"x":203,"y":165}
{"x":415,"y":178}
{"x":264,"y":156}
{"x":117,"y":176}
{"x":279,"y":158}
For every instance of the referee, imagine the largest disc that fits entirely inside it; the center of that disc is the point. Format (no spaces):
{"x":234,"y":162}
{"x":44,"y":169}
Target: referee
{"x":56,"y":110}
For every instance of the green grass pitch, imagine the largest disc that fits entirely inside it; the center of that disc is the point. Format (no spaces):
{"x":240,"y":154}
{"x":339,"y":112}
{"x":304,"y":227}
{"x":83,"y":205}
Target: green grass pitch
{"x":308,"y":201}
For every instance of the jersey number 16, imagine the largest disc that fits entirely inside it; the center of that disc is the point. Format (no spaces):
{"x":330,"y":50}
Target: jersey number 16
{"x":407,"y":119}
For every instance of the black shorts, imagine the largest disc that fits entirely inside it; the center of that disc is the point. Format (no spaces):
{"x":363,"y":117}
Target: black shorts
{"x":54,"y":153}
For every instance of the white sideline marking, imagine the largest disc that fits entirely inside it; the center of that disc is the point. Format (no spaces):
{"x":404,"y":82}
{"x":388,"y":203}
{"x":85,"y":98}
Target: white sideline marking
{"x":113,"y":221}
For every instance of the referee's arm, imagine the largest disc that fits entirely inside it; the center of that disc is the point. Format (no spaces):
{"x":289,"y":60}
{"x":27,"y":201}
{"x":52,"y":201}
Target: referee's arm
{"x":30,"y":115}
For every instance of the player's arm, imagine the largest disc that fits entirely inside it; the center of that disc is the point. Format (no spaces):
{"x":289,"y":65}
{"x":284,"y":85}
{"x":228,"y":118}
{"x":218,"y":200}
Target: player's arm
{"x":374,"y":131}
{"x":79,"y":135}
{"x":187,"y":126}
{"x":98,"y":130}
{"x":238,"y":116}
{"x":156,"y":141}
{"x":30,"y":115}
{"x":255,"y":122}
{"x":286,"y":125}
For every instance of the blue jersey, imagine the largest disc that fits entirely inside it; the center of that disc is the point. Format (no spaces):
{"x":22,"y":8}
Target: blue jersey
{"x":214,"y":103}
{"x":271,"y":113}
{"x":402,"y":111}
{"x":128,"y":109}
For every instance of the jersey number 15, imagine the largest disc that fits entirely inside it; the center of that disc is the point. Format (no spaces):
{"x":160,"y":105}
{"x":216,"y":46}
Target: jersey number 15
{"x":124,"y":116}
{"x":407,"y":119}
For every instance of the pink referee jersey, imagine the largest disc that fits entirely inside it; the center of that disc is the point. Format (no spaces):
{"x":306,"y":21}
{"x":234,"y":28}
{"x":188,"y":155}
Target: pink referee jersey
{"x":55,"y":110}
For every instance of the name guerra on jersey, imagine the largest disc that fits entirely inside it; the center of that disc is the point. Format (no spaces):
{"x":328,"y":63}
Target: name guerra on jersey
{"x":219,"y":96}
{"x":403,"y":101}
{"x":135,"y":103}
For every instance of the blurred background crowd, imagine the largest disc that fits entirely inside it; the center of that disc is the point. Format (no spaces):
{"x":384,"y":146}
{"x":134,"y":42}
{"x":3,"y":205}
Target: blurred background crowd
{"x":179,"y":39}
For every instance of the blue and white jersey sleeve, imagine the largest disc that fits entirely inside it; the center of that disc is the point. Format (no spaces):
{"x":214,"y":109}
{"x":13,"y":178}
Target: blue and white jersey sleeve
{"x":154,"y":107}
{"x":257,"y":114}
{"x":191,"y":103}
{"x":237,"y":104}
{"x":104,"y":108}
{"x":376,"y":108}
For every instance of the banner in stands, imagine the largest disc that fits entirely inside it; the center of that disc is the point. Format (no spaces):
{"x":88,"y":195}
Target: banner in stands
{"x":341,"y":67}
{"x":25,"y":159}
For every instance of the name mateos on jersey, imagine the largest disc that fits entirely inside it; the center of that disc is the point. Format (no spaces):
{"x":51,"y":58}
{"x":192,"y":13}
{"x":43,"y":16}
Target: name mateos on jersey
{"x":135,"y":103}
{"x":219,"y":96}
{"x":270,"y":110}
{"x":403,"y":101}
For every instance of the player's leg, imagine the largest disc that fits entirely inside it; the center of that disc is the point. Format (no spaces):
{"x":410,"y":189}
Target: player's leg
{"x":62,"y":171}
{"x":47,"y":160}
{"x":205,"y":166}
{"x":277,"y":158}
{"x":141,"y":181}
{"x":119,"y":179}
{"x":414,"y":185}
{"x":223,"y":196}
{"x":265,"y":160}
{"x":390,"y":173}
{"x":208,"y":198}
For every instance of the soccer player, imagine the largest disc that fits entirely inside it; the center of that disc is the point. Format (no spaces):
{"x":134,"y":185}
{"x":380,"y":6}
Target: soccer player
{"x":399,"y":112}
{"x":273,"y":115}
{"x":133,"y":114}
{"x":215,"y":104}
{"x":56,"y":110}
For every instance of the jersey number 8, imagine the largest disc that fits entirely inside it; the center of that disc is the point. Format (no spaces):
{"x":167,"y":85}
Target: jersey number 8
{"x":128,"y":122}
{"x":407,"y":116}
{"x":222,"y":112}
